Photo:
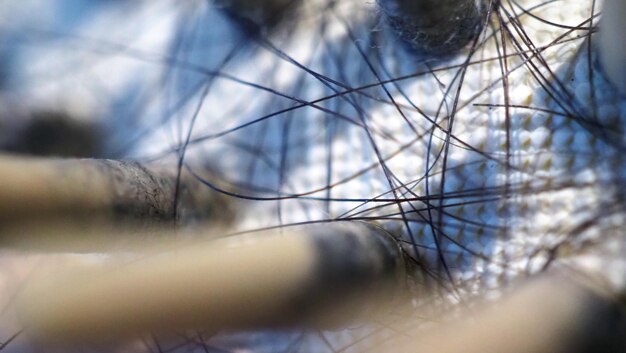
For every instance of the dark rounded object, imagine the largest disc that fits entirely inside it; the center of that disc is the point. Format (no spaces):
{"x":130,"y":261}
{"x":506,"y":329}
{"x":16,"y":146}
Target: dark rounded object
{"x":434,"y":27}
{"x":55,"y":135}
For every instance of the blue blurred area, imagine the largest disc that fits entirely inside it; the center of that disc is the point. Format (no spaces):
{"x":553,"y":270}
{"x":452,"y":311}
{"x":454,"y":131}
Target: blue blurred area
{"x":19,"y":20}
{"x":104,"y":60}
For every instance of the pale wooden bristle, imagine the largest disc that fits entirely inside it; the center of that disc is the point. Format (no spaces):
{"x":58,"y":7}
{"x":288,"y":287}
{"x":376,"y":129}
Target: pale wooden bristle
{"x":318,"y":277}
{"x":88,"y":190}
{"x":612,"y":43}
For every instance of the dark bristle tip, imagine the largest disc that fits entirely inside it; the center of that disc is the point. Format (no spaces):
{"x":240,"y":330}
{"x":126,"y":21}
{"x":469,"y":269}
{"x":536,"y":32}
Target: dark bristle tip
{"x":434,"y":27}
{"x":257,"y":17}
{"x":55,"y":134}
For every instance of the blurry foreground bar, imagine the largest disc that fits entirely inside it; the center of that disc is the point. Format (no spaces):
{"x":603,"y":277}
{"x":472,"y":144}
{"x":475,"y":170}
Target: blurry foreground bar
{"x":89,"y":190}
{"x":434,"y":27}
{"x":553,"y":313}
{"x":316,"y":277}
{"x":613,"y":42}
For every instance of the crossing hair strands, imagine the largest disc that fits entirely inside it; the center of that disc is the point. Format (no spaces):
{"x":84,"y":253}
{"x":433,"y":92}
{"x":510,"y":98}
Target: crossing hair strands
{"x":490,"y":159}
